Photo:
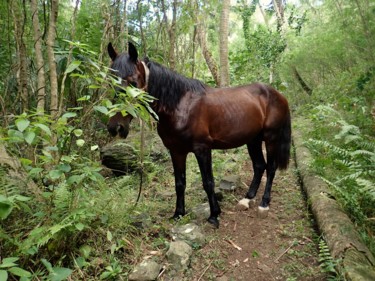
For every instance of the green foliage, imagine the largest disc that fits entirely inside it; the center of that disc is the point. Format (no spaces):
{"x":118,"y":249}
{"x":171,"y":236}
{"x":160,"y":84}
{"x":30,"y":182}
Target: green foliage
{"x":328,"y":264}
{"x":345,"y":159}
{"x":9,"y":266}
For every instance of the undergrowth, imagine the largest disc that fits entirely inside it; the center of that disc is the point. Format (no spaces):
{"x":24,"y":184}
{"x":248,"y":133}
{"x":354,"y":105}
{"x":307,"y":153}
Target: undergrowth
{"x":344,"y":157}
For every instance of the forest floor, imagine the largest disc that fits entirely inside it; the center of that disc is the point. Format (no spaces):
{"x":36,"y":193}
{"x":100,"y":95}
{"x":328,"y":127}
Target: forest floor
{"x":283,"y":246}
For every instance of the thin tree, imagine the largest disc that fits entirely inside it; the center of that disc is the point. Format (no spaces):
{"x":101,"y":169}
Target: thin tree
{"x":223,"y":48}
{"x":41,"y":81}
{"x":202,"y":40}
{"x":171,"y":30}
{"x":19,"y":19}
{"x":70,"y":56}
{"x":54,"y":99}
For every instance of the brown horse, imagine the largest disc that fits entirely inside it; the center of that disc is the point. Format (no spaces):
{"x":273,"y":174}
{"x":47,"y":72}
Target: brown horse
{"x":194,"y":117}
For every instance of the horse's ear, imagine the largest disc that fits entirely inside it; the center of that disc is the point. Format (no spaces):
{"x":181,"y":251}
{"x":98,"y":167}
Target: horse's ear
{"x":112,"y":52}
{"x":133,"y":54}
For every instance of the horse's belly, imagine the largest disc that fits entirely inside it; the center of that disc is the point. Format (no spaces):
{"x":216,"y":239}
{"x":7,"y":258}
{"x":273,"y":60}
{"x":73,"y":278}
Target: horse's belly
{"x":233,"y":141}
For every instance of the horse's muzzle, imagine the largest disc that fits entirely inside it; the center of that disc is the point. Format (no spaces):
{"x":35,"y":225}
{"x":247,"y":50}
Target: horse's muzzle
{"x":119,"y":130}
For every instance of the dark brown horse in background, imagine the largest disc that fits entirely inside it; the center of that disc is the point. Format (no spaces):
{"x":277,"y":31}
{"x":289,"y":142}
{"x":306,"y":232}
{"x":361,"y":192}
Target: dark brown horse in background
{"x":194,"y":117}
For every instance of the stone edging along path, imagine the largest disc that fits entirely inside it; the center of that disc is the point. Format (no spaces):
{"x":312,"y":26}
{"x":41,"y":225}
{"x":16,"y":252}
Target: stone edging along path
{"x":339,"y":232}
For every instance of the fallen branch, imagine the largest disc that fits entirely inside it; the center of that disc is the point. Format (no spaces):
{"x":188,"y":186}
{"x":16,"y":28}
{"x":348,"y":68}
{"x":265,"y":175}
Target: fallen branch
{"x":233,"y":244}
{"x":283,"y":253}
{"x":204,"y":271}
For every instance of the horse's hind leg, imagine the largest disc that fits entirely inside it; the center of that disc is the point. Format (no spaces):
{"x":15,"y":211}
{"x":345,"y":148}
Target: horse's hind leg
{"x":259,"y":165}
{"x":271,"y":167}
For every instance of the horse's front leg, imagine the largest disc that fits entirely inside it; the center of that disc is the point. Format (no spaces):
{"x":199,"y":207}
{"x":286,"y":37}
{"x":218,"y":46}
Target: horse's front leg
{"x":179,"y":167}
{"x":205,"y":165}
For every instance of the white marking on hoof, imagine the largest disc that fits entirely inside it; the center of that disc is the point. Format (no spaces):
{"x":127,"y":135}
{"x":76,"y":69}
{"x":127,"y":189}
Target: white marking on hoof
{"x":253,"y":202}
{"x":263,"y":212}
{"x":243,"y":204}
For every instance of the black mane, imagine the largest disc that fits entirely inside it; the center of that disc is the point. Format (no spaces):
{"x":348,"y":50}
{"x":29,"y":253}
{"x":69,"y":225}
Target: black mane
{"x":169,"y":87}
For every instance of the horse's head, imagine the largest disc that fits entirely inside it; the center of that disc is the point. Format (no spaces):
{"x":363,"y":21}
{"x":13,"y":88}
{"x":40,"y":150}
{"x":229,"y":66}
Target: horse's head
{"x":132,"y":73}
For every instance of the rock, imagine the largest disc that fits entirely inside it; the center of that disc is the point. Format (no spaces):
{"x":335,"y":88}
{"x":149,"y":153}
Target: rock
{"x":229,"y":183}
{"x":190,"y":233}
{"x":120,"y":157}
{"x":243,"y":204}
{"x":178,"y":255}
{"x":147,"y":270}
{"x":141,"y":221}
{"x":202,"y":211}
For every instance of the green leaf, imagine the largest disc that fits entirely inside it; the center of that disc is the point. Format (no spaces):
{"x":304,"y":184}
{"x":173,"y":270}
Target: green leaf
{"x":69,"y":115}
{"x":44,"y":128}
{"x":21,"y":198}
{"x":85,"y":250}
{"x":79,"y":226}
{"x":80,"y":142}
{"x":134,"y":92}
{"x":35,"y":171}
{"x":8,"y":262}
{"x":84,"y":98}
{"x":55,"y":174}
{"x":109,"y":236}
{"x":3,"y":275}
{"x":101,"y":109}
{"x":94,"y":147}
{"x":25,"y":161}
{"x":47,"y":264}
{"x":22,"y":124}
{"x":29,"y":137}
{"x":105,"y":275}
{"x":6,"y":207}
{"x":95,"y":87}
{"x":19,"y":272}
{"x":74,"y":179}
{"x":64,"y":167}
{"x":78,"y":132}
{"x":60,"y":273}
{"x":15,"y":136}
{"x":74,"y":65}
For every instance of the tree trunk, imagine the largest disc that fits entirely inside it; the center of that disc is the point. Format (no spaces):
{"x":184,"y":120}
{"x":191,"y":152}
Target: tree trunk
{"x":279,"y":9}
{"x":19,"y":17}
{"x":224,"y":63}
{"x":54,"y":100}
{"x":303,"y":84}
{"x":16,"y":175}
{"x":171,"y":30}
{"x":124,"y":30}
{"x":140,"y":16}
{"x":41,"y":82}
{"x":69,"y":60}
{"x":207,"y":54}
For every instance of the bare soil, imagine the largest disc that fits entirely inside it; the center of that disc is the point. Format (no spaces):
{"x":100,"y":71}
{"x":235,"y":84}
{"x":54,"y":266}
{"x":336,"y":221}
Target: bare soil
{"x":282,"y":246}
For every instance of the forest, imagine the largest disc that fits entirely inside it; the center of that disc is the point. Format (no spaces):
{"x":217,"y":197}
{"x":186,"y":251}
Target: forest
{"x":63,"y":215}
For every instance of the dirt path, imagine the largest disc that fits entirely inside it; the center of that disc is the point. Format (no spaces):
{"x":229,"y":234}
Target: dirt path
{"x":245,"y":247}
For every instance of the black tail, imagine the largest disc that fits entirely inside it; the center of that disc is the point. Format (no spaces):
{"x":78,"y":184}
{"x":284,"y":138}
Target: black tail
{"x":284,"y":144}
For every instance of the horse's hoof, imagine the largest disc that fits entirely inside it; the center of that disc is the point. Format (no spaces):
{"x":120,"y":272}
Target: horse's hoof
{"x":176,"y":217}
{"x":213,"y":221}
{"x":243,"y":204}
{"x":263,"y":212}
